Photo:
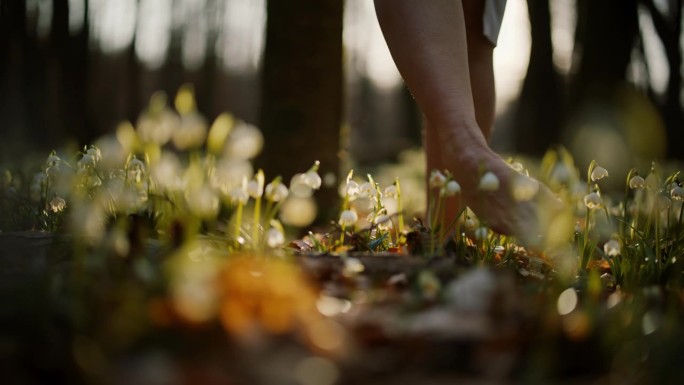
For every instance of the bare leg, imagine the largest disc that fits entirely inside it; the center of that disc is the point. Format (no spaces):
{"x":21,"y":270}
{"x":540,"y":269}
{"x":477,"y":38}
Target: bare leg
{"x":428,"y":42}
{"x":481,"y":67}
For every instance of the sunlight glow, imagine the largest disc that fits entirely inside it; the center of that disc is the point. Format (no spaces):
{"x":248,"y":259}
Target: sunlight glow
{"x":567,"y":301}
{"x":512,"y":54}
{"x":76,"y":15}
{"x":658,"y":69}
{"x":195,"y":35}
{"x":241,"y":40}
{"x":113,"y":23}
{"x":367,"y":52}
{"x":563,"y":22}
{"x":153,"y":32}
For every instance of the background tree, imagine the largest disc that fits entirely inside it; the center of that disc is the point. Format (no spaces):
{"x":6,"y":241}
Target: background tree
{"x":539,"y":117}
{"x":301,"y":99}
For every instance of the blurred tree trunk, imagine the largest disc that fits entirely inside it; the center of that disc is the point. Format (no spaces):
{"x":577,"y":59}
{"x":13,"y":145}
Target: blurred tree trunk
{"x":301,"y":109}
{"x":13,"y":55}
{"x":605,"y":35}
{"x":604,"y":107}
{"x":67,"y":67}
{"x":669,"y":30}
{"x":539,"y":116}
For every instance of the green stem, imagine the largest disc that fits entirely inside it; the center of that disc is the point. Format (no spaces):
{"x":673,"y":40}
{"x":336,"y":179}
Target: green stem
{"x":238,"y":223}
{"x":256,"y":222}
{"x":624,"y":203}
{"x":400,"y":209}
{"x":585,"y":239}
{"x":342,"y":235}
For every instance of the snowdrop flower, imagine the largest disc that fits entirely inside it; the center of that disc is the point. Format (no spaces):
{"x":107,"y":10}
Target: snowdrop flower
{"x":311,"y":177}
{"x":191,"y":133}
{"x":275,"y":237}
{"x":238,"y":195}
{"x":437,"y":179}
{"x":481,"y":233}
{"x":366,"y":190}
{"x":391,"y":205}
{"x":244,"y":142}
{"x":469,"y":224}
{"x":300,"y":187}
{"x":254,"y":190}
{"x":612,"y":248}
{"x":450,"y":189}
{"x":677,"y":193}
{"x":95,"y":153}
{"x":255,"y":187}
{"x":637,"y":182}
{"x":489,"y":182}
{"x":598,"y":173}
{"x":86,"y":161}
{"x":560,"y":174}
{"x":54,"y":171}
{"x":348,"y":218}
{"x":159,"y":125}
{"x":276,"y":191}
{"x":52,"y":159}
{"x":593,"y":201}
{"x":135,"y":170}
{"x":166,"y":171}
{"x":313,"y":180}
{"x":350,"y":189}
{"x":391,"y":191}
{"x":57,"y":204}
{"x":383,"y":222}
{"x":229,"y":173}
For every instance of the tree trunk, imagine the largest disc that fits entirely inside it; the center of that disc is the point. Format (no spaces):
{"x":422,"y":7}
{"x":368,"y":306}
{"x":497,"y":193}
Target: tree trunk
{"x":606,"y":31}
{"x":539,"y":115}
{"x":301,"y":108}
{"x":669,"y":31}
